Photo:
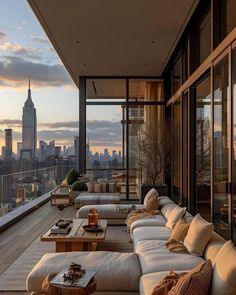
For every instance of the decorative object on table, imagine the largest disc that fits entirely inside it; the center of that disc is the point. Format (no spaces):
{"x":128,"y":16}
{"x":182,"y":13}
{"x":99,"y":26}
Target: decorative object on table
{"x":74,"y":276}
{"x":60,"y":208}
{"x":97,"y":228}
{"x":63,"y":226}
{"x":93,"y":217}
{"x":74,"y":273}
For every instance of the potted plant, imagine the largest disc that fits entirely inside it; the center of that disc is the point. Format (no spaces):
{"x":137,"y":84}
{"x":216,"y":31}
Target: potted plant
{"x":153,"y":153}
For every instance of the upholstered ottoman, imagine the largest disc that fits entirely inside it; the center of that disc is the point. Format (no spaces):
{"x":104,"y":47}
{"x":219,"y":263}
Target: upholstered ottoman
{"x":117,"y":273}
{"x":113,"y":213}
{"x":96,"y":198}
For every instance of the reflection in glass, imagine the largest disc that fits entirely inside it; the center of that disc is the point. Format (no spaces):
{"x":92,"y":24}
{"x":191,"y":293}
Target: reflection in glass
{"x":221,"y":147}
{"x":177,"y":74}
{"x":234,"y":143}
{"x":203,"y":148}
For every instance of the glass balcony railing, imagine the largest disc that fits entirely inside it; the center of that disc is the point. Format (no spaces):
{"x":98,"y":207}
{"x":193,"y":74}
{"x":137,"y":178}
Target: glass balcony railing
{"x":22,"y":191}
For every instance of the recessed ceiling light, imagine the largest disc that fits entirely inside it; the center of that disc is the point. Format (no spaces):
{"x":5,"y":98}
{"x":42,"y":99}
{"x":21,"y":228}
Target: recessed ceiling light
{"x":153,"y":41}
{"x":145,"y":65}
{"x":77,"y":41}
{"x":85,"y":65}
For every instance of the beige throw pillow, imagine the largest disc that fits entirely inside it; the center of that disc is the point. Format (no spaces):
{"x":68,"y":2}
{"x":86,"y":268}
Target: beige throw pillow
{"x":180,"y":230}
{"x":112,"y":187}
{"x":104,"y":187}
{"x":97,"y":187}
{"x":199,"y":234}
{"x":224,"y":271}
{"x":151,"y":201}
{"x":90,"y":186}
{"x":196,"y":282}
{"x":176,"y":214}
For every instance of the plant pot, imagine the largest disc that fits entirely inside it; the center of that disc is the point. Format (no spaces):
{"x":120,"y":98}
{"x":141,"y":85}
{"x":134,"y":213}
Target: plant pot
{"x":145,"y":188}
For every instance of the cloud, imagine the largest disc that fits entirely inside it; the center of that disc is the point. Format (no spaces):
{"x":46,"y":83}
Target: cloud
{"x":15,"y":70}
{"x":2,"y":36}
{"x":19,"y":50}
{"x":39,"y":39}
{"x":11,"y":123}
{"x":66,"y":124}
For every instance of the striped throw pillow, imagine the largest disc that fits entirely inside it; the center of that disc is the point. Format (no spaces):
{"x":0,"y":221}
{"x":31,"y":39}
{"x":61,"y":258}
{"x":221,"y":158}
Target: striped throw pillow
{"x":196,"y":282}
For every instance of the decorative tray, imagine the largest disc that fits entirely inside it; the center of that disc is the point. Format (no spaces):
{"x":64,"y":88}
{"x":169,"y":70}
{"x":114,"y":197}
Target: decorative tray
{"x":93,"y":228}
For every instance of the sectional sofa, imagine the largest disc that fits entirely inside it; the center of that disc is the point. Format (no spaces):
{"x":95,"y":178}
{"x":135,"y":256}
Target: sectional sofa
{"x":139,"y":272}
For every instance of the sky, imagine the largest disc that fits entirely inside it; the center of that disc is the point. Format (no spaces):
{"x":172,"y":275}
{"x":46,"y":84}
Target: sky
{"x":25,"y":50}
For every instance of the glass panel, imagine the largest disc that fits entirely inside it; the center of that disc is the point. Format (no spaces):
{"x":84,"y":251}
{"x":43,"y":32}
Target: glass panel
{"x":221,"y":147}
{"x":176,"y":168}
{"x":203,"y":148}
{"x":185,"y":60}
{"x":185,"y":151}
{"x":205,"y":37}
{"x":234,"y":144}
{"x":177,"y":74}
{"x":145,"y":90}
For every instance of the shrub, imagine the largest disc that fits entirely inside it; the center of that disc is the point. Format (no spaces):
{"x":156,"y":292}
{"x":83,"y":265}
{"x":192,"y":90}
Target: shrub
{"x":79,"y":185}
{"x":72,"y":176}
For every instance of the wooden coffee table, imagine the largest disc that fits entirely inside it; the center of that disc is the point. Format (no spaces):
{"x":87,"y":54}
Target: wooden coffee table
{"x":77,"y":239}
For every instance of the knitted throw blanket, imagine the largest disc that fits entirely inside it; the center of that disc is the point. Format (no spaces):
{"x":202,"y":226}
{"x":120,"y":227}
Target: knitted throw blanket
{"x":140,"y":214}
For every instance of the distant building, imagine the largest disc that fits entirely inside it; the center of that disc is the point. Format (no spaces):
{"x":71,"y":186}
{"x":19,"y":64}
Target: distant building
{"x":19,"y":148}
{"x":42,"y":150}
{"x":58,"y":151}
{"x":8,"y":145}
{"x":29,"y":128}
{"x":3,"y":151}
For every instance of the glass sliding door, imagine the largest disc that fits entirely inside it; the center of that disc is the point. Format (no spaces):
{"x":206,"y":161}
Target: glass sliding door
{"x":234,"y":144}
{"x":203,"y":148}
{"x":176,"y":151}
{"x":221,"y":146}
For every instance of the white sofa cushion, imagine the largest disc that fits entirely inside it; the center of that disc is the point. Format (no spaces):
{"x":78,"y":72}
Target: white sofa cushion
{"x":149,"y":281}
{"x":156,"y":220}
{"x":213,"y":247}
{"x":150,"y":233}
{"x":224,"y":271}
{"x":199,"y":234}
{"x":155,"y":257}
{"x":176,"y":214}
{"x":115,"y":271}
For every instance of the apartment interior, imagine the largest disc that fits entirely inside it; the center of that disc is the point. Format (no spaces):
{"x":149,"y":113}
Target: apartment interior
{"x":169,"y":71}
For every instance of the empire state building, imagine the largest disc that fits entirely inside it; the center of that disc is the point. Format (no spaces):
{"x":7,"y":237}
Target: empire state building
{"x":29,"y":128}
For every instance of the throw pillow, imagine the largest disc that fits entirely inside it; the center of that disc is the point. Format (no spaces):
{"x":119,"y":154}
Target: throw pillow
{"x":199,"y":234}
{"x":98,"y":188}
{"x":196,"y":282}
{"x":112,"y":187}
{"x":224,"y":271}
{"x":176,"y":214}
{"x":90,"y":186}
{"x":180,"y":230}
{"x":151,"y":201}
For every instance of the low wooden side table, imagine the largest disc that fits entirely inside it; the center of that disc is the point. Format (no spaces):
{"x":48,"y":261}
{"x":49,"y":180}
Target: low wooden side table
{"x":50,"y":289}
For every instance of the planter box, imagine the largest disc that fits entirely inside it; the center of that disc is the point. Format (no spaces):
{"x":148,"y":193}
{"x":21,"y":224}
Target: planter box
{"x":145,"y":188}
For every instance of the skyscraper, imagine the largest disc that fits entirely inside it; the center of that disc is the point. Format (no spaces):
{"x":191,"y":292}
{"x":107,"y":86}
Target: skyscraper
{"x":29,"y":128}
{"x":76,"y":148}
{"x":8,"y":144}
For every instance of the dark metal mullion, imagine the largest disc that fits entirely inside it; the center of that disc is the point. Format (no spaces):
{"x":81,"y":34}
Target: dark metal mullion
{"x":131,"y":103}
{"x":231,"y":124}
{"x":212,"y":144}
{"x":82,"y":125}
{"x":127,"y":139}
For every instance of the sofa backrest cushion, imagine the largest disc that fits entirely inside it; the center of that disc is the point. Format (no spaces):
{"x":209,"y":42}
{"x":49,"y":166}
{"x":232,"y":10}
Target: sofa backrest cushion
{"x":176,"y":214}
{"x":97,"y":187}
{"x":163,"y":200}
{"x":198,"y":236}
{"x":166,"y":210}
{"x":224,"y":271}
{"x":90,"y":186}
